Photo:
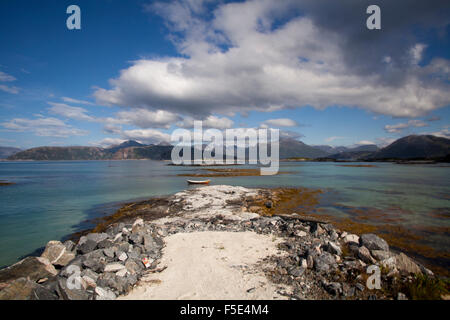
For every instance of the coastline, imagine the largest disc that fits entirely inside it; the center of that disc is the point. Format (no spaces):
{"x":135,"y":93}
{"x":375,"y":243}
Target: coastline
{"x":331,"y":261}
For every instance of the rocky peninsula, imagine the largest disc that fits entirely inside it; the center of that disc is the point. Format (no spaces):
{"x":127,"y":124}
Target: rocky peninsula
{"x":219,"y":242}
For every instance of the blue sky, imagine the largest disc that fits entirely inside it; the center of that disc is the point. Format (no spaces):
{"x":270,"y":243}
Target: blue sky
{"x":139,"y":69}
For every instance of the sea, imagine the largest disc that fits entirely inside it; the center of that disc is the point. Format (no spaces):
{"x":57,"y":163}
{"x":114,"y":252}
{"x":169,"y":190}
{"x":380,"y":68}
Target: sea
{"x":50,"y":200}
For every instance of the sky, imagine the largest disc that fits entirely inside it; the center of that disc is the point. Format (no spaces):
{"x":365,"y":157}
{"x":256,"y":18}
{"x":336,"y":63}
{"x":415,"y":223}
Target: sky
{"x":139,"y":69}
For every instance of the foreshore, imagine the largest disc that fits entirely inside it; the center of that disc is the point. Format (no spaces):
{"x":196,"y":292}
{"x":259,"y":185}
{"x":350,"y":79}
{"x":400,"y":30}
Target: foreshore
{"x":219,"y":242}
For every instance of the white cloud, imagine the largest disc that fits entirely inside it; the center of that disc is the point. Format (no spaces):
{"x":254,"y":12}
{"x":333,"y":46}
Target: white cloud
{"x":76,"y":101}
{"x":364,"y":142}
{"x":6,"y":77}
{"x":144,"y":118}
{"x":281,"y":122}
{"x":331,"y":139}
{"x":9,"y":89}
{"x":107,"y":142}
{"x":70,"y":112}
{"x":209,"y":122}
{"x":262,"y":68}
{"x":146,"y":135}
{"x":42,"y":126}
{"x":399,"y":127}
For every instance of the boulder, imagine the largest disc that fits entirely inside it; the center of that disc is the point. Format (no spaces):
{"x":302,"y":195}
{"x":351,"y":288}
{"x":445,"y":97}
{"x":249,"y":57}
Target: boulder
{"x":364,"y":255}
{"x":373,"y":242}
{"x":405,"y":265}
{"x":380,"y":254}
{"x":86,"y":246}
{"x":97,"y":237}
{"x":34,"y":268}
{"x":71,"y":294}
{"x":351,"y":238}
{"x":70,"y":245}
{"x":333,"y":248}
{"x":19,"y":289}
{"x":57,"y":253}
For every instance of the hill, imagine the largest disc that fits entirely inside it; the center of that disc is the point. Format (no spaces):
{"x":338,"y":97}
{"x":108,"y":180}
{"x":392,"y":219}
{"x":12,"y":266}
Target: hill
{"x":415,"y":147}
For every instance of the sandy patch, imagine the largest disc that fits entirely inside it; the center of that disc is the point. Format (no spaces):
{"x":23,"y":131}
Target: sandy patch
{"x":211,"y":265}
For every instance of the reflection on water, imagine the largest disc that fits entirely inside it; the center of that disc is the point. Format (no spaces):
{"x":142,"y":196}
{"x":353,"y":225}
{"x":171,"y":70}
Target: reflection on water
{"x":50,"y":200}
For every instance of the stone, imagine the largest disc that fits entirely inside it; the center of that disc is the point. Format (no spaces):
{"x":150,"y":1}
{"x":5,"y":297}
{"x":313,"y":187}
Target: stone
{"x":333,"y":235}
{"x":70,"y":294}
{"x":300,"y":233}
{"x":333,"y":288}
{"x":122,"y":256}
{"x":57,"y":253}
{"x":373,"y":242}
{"x":87,"y":246}
{"x":19,"y":289}
{"x":136,"y":238}
{"x":133,"y":267}
{"x":138,"y":222}
{"x":334,"y":248}
{"x":390,"y":263}
{"x":268,"y":204}
{"x":149,"y":243}
{"x":405,"y":265}
{"x":34,"y":268}
{"x":105,"y":244}
{"x":91,"y":274}
{"x":310,"y":261}
{"x":95,"y":260}
{"x":110,"y":252}
{"x":69,"y":244}
{"x":351,"y":238}
{"x":324,"y":262}
{"x":104,"y":294}
{"x":380,"y":254}
{"x":401,"y":296}
{"x":113,"y":267}
{"x":364,"y":255}
{"x":97,"y":237}
{"x":296,"y":272}
{"x":304,"y":263}
{"x":89,"y":282}
{"x":122,"y":273}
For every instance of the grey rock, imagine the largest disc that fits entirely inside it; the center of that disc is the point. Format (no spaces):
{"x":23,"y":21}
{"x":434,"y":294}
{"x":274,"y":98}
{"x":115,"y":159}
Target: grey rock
{"x":359,"y":286}
{"x":296,"y":271}
{"x":114,"y":267}
{"x":97,"y":237}
{"x":324,"y":262}
{"x":136,"y":238}
{"x":86,"y":246}
{"x":69,"y":244}
{"x":373,"y":242}
{"x":333,"y":288}
{"x":380,"y":254}
{"x":105,"y":244}
{"x":333,"y":248}
{"x":364,"y":255}
{"x":133,"y":266}
{"x":91,"y":274}
{"x":406,"y":265}
{"x":110,"y":252}
{"x":57,"y":253}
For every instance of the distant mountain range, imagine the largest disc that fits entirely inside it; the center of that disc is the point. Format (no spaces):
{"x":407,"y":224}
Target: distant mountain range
{"x":414,"y":147}
{"x":5,"y":152}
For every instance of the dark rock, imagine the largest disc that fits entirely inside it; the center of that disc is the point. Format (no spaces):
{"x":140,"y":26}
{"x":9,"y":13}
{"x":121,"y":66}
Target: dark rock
{"x":105,"y":244}
{"x":136,"y":238}
{"x":268,"y":204}
{"x":97,"y":237}
{"x":43,"y":293}
{"x":35,"y":268}
{"x":87,"y":246}
{"x":373,"y":242}
{"x":333,"y":288}
{"x":296,"y":271}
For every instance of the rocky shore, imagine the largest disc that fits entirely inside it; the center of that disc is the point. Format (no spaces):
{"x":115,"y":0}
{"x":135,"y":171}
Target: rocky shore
{"x":313,"y":259}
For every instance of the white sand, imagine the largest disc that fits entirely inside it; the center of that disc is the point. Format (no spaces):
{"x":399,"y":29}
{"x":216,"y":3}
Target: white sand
{"x":211,"y":265}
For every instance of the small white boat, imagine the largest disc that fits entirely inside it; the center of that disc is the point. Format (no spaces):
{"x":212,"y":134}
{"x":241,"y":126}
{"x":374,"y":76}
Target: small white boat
{"x":198,"y":181}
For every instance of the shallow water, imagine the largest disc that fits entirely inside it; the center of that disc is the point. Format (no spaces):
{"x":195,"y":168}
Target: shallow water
{"x":51,"y":199}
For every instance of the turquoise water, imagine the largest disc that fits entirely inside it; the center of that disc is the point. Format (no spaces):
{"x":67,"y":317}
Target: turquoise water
{"x":51,"y":199}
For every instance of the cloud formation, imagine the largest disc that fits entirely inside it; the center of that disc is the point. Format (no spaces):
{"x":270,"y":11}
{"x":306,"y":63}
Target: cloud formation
{"x":266,"y":55}
{"x":399,"y":127}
